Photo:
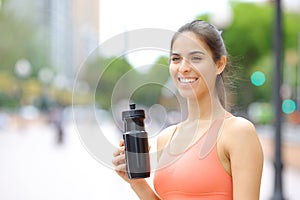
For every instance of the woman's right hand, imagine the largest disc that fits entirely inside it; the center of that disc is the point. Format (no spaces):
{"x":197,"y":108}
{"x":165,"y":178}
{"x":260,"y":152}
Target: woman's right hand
{"x":140,"y":186}
{"x":120,"y":162}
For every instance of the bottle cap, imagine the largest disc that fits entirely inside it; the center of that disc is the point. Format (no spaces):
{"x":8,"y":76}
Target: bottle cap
{"x":133,"y":113}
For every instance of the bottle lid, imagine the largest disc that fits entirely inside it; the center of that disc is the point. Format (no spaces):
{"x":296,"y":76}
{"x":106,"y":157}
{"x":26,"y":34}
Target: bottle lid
{"x":133,"y":113}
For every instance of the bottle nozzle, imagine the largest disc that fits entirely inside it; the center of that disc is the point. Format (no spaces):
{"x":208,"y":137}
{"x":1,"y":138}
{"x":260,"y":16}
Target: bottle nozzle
{"x":132,"y":106}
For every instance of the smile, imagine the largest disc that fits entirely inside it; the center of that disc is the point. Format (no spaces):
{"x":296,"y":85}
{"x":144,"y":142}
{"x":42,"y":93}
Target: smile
{"x":187,"y":80}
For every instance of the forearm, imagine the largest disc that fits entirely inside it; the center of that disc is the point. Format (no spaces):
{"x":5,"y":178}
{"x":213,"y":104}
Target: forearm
{"x":143,"y":190}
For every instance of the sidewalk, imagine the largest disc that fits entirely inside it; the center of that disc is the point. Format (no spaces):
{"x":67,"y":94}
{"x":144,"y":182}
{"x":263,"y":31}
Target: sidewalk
{"x":290,"y":159}
{"x":291,"y":182}
{"x":34,"y":167}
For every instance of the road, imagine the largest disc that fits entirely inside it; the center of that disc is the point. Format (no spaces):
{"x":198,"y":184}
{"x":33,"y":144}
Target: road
{"x":34,"y":166}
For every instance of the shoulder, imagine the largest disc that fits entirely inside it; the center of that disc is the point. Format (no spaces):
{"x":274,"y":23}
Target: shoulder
{"x":241,"y":146}
{"x":240,"y":125}
{"x":239,"y":132}
{"x":245,"y":157}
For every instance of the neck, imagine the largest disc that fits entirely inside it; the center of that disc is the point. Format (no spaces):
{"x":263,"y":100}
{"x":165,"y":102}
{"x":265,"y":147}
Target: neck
{"x":204,"y":108}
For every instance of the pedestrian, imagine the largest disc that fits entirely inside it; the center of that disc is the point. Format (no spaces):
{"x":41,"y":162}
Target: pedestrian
{"x":56,"y":117}
{"x":212,"y":154}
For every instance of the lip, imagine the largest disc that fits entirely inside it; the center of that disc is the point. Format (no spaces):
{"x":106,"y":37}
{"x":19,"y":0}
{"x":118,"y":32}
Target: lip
{"x":187,"y":80}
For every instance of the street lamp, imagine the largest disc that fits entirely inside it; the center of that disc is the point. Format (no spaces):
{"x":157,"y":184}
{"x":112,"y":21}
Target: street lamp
{"x":22,"y":70}
{"x":278,"y":193}
{"x":298,"y":77}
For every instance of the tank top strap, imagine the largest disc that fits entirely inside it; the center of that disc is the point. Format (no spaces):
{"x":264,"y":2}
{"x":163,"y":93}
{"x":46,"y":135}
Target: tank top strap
{"x":211,"y":138}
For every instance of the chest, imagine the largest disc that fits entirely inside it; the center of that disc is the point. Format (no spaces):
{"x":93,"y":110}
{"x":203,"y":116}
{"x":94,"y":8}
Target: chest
{"x":191,"y":174}
{"x":185,"y":136}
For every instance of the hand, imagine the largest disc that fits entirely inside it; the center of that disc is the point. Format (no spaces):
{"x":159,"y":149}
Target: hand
{"x":140,"y":186}
{"x":120,"y":165}
{"x":120,"y":162}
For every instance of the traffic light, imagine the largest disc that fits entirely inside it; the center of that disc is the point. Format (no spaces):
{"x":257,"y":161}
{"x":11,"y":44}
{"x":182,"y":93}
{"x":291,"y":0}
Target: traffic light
{"x":258,"y":78}
{"x":288,"y":106}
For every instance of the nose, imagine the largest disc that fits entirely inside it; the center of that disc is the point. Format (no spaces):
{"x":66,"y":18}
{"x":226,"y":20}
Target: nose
{"x":184,"y":66}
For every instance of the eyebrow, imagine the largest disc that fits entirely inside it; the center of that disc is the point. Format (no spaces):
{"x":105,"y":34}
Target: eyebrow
{"x":190,"y":53}
{"x":196,"y":52}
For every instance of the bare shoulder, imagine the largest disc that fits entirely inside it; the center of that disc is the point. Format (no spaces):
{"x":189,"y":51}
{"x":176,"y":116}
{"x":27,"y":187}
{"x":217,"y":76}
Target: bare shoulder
{"x":244,"y":157}
{"x":239,"y":126}
{"x":239,"y":131}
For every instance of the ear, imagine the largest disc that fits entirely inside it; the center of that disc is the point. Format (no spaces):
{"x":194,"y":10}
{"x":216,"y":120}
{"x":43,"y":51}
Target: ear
{"x":221,"y":63}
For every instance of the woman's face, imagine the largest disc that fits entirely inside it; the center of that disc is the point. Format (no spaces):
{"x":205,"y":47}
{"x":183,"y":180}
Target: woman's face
{"x":192,"y":67}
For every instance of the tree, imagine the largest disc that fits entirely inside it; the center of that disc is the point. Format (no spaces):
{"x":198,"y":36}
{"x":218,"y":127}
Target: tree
{"x":249,"y":40}
{"x":19,"y":39}
{"x":152,"y":83}
{"x":103,"y":75}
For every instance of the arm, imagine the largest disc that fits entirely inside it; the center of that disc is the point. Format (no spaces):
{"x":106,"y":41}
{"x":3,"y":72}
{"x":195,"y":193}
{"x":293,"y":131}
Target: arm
{"x":143,"y":190}
{"x":246,"y":160}
{"x":141,"y":187}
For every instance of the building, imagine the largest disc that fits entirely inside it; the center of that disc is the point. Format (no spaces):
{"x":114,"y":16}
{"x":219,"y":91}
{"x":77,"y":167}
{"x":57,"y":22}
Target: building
{"x":70,"y":29}
{"x":74,"y":26}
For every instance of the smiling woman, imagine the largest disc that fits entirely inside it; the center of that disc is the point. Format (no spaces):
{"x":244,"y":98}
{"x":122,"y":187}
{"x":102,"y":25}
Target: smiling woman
{"x":212,"y":154}
{"x":209,"y":57}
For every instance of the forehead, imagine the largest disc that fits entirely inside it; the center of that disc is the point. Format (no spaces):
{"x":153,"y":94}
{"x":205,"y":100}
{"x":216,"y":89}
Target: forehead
{"x":188,"y":41}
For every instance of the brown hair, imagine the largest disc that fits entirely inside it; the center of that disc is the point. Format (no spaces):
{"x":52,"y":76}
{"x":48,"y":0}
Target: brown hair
{"x":211,"y":36}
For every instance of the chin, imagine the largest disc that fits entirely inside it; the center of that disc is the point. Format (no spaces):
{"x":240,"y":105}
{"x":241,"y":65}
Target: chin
{"x":188,"y":94}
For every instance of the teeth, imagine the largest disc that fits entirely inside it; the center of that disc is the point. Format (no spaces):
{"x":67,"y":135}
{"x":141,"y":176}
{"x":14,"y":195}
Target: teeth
{"x":187,"y":80}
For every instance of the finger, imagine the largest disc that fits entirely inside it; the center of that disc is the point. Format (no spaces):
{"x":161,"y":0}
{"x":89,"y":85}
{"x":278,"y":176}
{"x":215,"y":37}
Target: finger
{"x":120,"y":151}
{"x":121,"y":168}
{"x":116,"y":153}
{"x":121,"y":143}
{"x":120,"y":159}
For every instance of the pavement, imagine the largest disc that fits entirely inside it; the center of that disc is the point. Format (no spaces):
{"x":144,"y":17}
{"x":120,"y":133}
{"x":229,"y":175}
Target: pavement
{"x":34,"y":166}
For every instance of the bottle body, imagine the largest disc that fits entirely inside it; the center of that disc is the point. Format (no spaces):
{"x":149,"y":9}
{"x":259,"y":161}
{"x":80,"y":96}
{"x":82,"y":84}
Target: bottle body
{"x":137,"y":154}
{"x":136,"y":143}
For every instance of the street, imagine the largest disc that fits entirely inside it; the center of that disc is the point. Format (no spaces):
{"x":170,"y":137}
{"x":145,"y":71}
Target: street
{"x":34,"y":166}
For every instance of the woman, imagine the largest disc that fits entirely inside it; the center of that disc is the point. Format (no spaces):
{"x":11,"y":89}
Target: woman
{"x":212,"y":155}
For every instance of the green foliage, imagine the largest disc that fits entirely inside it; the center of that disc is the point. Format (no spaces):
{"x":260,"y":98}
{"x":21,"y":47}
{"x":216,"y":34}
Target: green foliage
{"x":19,"y":39}
{"x":114,"y":79}
{"x":263,"y":93}
{"x":102,"y":74}
{"x":249,"y":41}
{"x":291,"y":26}
{"x":153,"y":83}
{"x":8,"y":101}
{"x":251,"y":32}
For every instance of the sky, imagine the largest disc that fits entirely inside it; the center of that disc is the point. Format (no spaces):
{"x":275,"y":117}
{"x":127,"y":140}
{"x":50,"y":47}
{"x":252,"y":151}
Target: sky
{"x":119,"y":16}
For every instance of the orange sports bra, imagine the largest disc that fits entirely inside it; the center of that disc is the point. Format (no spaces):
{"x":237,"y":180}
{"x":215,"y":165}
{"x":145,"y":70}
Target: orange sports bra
{"x":194,"y":174}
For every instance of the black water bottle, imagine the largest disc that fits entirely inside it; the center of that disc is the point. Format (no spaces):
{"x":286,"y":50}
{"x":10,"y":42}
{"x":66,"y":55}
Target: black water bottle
{"x":136,"y":143}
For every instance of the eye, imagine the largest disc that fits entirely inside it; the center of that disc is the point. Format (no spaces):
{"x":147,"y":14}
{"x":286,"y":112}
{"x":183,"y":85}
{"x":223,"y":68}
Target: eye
{"x":196,"y":58}
{"x":175,"y":59}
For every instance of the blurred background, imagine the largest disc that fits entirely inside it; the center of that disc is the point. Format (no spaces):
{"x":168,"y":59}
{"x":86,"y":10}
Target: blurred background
{"x":46,"y":46}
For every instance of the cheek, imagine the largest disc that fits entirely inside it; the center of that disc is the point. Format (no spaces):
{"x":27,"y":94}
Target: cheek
{"x":172,"y":70}
{"x":207,"y":73}
{"x":203,"y":68}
